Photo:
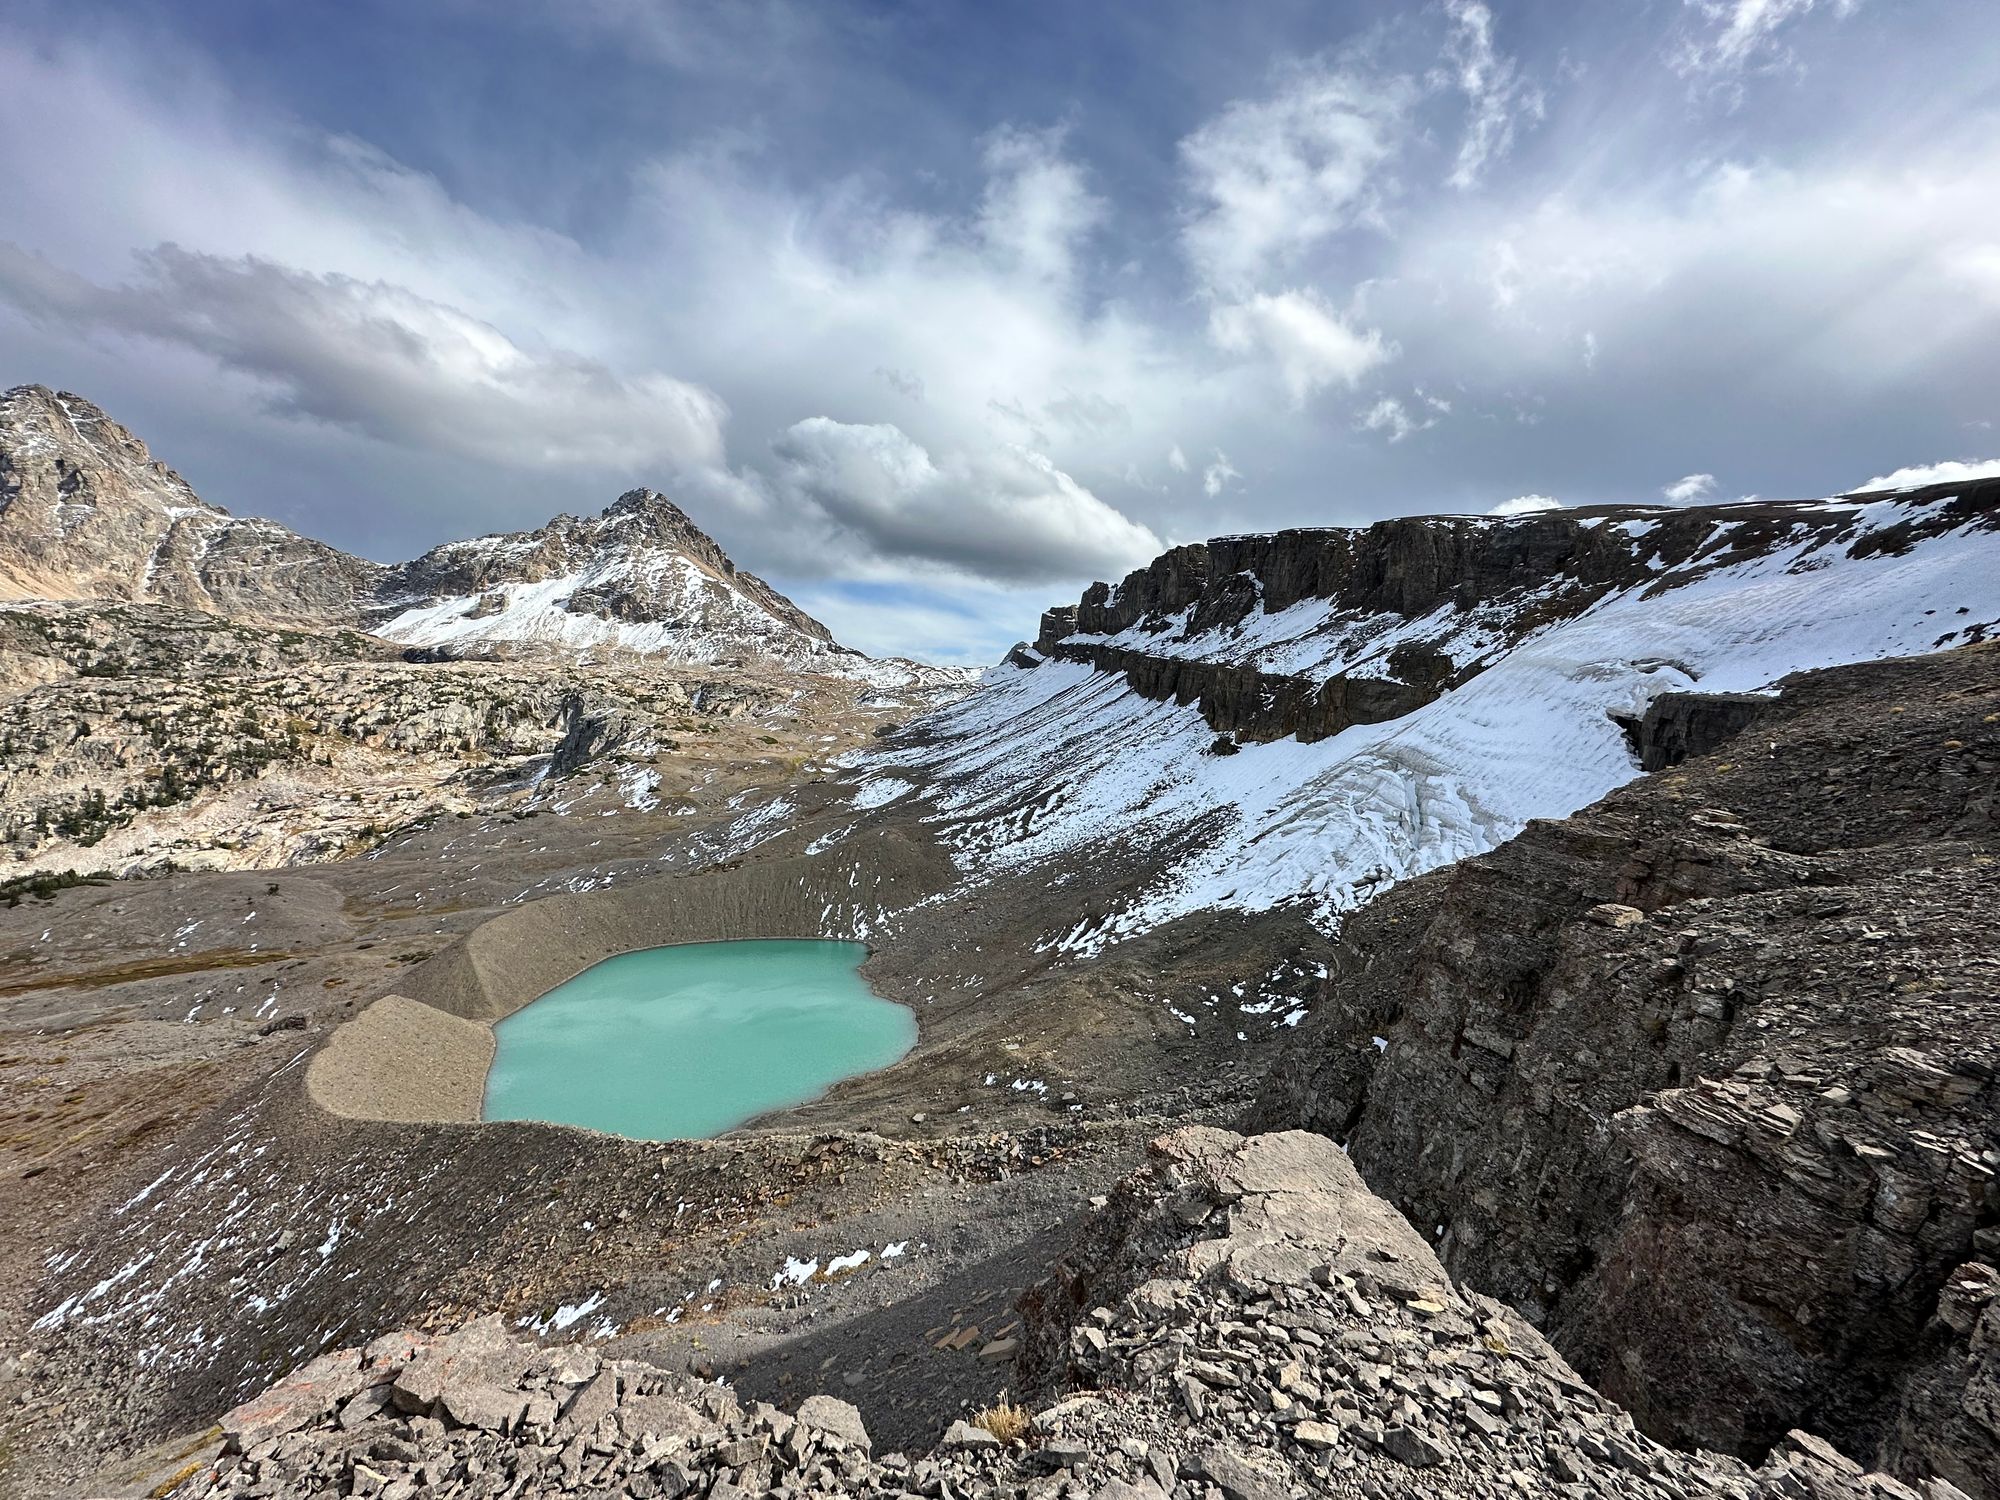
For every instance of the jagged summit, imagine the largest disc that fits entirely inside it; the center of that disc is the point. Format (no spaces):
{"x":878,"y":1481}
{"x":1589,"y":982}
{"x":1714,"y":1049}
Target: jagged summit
{"x":87,"y":513}
{"x":640,"y":575}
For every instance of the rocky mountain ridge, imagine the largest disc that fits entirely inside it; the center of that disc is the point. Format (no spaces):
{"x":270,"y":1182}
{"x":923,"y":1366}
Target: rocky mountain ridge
{"x":87,"y":513}
{"x":1303,"y":633}
{"x":191,"y":689}
{"x":640,"y":577}
{"x":1305,"y":718}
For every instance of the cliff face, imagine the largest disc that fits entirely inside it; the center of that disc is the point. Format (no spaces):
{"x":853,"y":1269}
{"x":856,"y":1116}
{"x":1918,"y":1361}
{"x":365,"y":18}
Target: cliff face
{"x":1306,"y":718}
{"x":1305,"y":633}
{"x":1703,"y":1079}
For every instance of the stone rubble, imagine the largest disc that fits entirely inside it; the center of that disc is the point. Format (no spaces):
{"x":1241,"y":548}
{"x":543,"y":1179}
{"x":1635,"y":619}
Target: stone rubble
{"x":1242,"y":1321}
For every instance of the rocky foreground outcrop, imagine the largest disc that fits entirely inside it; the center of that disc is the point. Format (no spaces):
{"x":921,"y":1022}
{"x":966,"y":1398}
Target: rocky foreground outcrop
{"x":1243,"y":1321}
{"x":1703,"y":1079}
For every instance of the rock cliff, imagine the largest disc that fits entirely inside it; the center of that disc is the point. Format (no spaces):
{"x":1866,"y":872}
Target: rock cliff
{"x":1305,"y":718}
{"x":1703,"y":1079}
{"x":1305,"y":633}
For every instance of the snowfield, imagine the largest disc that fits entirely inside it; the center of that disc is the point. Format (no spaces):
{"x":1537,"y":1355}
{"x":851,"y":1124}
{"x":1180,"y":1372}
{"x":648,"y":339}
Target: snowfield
{"x":703,"y":621}
{"x":1046,"y":762}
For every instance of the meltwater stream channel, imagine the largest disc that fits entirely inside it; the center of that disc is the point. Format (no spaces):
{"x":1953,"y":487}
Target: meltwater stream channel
{"x":689,"y":1041}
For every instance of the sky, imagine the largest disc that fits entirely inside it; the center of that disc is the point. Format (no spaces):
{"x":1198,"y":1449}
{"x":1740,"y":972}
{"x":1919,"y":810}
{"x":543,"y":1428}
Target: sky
{"x":934,"y":312}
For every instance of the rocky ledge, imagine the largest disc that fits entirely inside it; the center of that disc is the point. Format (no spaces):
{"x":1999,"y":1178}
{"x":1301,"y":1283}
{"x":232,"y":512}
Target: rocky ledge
{"x":1705,"y":1079}
{"x":1242,"y":1320}
{"x":1307,"y":632}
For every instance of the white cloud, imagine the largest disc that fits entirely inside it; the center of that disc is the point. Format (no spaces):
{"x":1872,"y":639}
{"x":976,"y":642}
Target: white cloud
{"x":1690,"y":489}
{"x":1215,"y":478}
{"x":1392,"y":416}
{"x":1950,"y":471}
{"x":1037,"y":210}
{"x":1004,"y":512}
{"x":1526,"y":505}
{"x":1271,"y":177}
{"x":1495,"y":93}
{"x":1177,"y":460}
{"x":1978,"y":266}
{"x":1736,"y":35}
{"x":1307,"y":341}
{"x":968,"y":624}
{"x":1739,"y":263}
{"x":382,"y":360}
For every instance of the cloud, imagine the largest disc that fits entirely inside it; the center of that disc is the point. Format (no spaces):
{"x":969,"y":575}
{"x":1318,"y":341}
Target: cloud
{"x":1087,"y":412}
{"x":1390,"y":415}
{"x":1037,"y":210}
{"x":1269,"y":178}
{"x":1002,"y":513}
{"x":381,"y":360}
{"x":965,"y":623}
{"x":1177,"y":460}
{"x":1784,"y":295}
{"x":1690,"y":489}
{"x":1310,"y":345}
{"x":1495,"y":93}
{"x":1526,"y":505}
{"x":1739,"y":35}
{"x":1949,"y":472}
{"x":1215,"y":478}
{"x":1721,"y":275}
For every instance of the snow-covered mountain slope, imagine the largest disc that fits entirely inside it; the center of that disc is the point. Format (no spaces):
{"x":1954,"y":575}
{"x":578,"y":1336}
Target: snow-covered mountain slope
{"x":86,"y":512}
{"x":641,"y":576}
{"x":1508,"y":650}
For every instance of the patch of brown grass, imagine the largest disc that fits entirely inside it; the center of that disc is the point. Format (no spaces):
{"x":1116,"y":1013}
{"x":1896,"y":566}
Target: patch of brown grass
{"x":149,"y":968}
{"x":1005,"y":1420}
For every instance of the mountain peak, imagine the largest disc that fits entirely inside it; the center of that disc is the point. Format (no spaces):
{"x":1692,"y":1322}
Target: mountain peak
{"x":640,"y":576}
{"x":645,"y":501}
{"x":86,"y":512}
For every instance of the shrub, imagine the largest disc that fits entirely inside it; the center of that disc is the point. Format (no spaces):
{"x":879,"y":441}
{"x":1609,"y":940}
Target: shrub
{"x":1006,"y":1421}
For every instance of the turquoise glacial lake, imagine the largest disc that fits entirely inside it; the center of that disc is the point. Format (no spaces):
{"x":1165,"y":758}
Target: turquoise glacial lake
{"x":689,"y":1041}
